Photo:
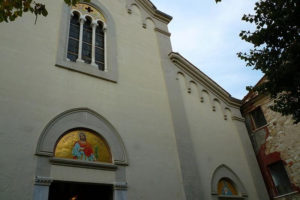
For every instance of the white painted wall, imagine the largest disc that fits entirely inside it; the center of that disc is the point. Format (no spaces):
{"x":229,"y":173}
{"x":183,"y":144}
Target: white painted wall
{"x":216,"y":141}
{"x":33,"y":91}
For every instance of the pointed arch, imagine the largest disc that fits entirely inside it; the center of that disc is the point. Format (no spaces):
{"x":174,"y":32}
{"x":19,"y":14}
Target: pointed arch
{"x":83,"y":119}
{"x":86,"y":119}
{"x":224,"y":172}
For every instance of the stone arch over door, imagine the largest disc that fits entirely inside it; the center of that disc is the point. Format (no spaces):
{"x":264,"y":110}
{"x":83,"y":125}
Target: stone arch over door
{"x":224,"y":172}
{"x":80,"y":118}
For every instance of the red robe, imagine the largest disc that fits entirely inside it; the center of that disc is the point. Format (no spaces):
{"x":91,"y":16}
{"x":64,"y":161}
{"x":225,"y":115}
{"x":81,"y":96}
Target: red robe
{"x":87,"y":148}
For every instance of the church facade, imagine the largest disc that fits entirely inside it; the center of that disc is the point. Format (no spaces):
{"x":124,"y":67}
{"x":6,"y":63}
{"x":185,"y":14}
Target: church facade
{"x":94,"y":103}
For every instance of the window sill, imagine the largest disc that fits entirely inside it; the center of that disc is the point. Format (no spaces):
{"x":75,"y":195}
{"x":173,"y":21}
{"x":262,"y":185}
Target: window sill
{"x":285,"y":195}
{"x":83,"y":164}
{"x":260,"y":128}
{"x":230,"y":197}
{"x":87,"y":69}
{"x":224,"y":197}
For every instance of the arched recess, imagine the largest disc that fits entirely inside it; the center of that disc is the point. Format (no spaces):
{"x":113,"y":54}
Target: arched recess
{"x":135,"y":11}
{"x":182,"y":82}
{"x":224,"y":172}
{"x":134,"y":8}
{"x":205,"y":97}
{"x":228,"y":114}
{"x":193,"y":88}
{"x":219,"y":106}
{"x":148,"y":22}
{"x":79,"y":119}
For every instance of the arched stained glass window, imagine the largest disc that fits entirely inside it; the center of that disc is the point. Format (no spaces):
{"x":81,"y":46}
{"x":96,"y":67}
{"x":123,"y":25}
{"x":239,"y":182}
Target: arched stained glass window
{"x":87,"y":36}
{"x":73,"y":37}
{"x":87,"y":41}
{"x":99,"y":57}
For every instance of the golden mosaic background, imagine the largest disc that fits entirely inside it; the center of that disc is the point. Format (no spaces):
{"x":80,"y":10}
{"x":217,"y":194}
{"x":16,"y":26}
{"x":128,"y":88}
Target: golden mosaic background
{"x":94,"y":13}
{"x":229,"y":186}
{"x":66,"y":143}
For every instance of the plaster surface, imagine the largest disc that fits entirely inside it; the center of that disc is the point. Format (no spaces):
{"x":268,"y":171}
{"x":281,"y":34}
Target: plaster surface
{"x":173,"y":141}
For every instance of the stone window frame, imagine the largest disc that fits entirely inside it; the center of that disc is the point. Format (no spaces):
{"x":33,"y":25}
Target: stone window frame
{"x":254,"y":125}
{"x":271,"y":183}
{"x":83,"y":18}
{"x":111,"y":65}
{"x":256,"y":132}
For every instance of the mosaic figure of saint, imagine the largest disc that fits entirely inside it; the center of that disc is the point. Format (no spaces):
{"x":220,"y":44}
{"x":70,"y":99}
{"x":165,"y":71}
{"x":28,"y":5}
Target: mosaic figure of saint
{"x":82,"y":150}
{"x":226,"y":190}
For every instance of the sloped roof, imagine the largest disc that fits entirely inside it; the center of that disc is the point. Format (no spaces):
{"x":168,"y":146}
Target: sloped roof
{"x":203,"y":78}
{"x":149,"y":6}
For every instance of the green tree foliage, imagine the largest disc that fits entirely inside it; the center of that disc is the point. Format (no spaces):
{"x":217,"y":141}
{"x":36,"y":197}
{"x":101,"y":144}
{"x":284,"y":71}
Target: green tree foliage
{"x":276,"y":52}
{"x":12,"y":9}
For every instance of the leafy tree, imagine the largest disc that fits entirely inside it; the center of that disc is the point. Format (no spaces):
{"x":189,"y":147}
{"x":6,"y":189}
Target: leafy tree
{"x":12,"y":9}
{"x":276,"y":52}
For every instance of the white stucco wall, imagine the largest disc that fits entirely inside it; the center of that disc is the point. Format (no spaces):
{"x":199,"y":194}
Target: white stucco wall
{"x":33,"y":91}
{"x":144,"y":107}
{"x":215,"y":140}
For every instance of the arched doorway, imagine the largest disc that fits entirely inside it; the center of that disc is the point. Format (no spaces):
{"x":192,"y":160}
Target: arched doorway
{"x":80,"y":153}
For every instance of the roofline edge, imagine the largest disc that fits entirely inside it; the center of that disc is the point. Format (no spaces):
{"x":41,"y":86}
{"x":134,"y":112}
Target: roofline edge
{"x":200,"y":76}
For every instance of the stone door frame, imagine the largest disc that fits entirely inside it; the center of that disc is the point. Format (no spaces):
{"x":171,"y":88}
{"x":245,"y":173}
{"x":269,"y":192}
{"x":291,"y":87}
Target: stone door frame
{"x":87,"y":119}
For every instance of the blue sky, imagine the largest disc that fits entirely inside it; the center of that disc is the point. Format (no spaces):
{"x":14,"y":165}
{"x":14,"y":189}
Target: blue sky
{"x":207,"y":34}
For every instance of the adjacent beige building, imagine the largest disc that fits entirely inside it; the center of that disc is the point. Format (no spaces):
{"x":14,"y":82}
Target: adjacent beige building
{"x":94,"y":103}
{"x":276,"y":141}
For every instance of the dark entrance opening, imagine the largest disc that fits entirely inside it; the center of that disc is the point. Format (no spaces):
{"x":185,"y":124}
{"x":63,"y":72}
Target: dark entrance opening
{"x":60,"y":190}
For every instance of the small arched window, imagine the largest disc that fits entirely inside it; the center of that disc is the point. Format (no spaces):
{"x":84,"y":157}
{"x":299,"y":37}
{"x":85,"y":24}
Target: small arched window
{"x":86,"y":41}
